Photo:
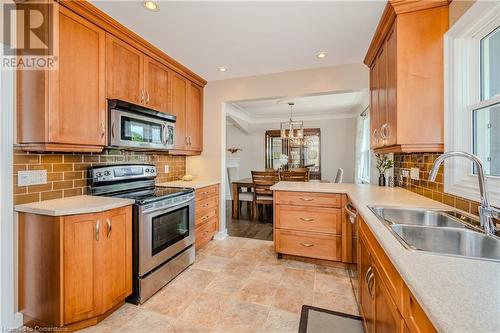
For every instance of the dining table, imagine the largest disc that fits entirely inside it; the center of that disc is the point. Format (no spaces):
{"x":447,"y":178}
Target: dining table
{"x":248,"y":184}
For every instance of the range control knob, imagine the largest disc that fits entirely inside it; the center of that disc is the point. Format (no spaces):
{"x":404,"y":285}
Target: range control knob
{"x":107,"y":173}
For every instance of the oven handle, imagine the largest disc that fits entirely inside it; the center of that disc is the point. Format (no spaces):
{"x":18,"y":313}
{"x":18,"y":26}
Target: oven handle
{"x":167,"y":208}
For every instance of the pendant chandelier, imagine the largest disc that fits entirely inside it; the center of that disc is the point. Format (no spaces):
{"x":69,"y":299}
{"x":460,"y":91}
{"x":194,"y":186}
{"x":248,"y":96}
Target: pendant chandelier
{"x":292,"y":130}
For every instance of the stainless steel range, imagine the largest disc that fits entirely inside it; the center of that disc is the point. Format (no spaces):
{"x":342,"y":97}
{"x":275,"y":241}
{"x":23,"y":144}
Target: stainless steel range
{"x":163,"y":224}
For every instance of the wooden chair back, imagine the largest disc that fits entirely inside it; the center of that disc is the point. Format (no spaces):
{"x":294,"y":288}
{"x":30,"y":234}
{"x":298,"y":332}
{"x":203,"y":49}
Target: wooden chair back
{"x":294,"y":176}
{"x":302,"y":170}
{"x":262,"y":181}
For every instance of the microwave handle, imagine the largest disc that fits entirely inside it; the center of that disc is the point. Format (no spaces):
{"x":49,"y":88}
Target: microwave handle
{"x":164,"y":134}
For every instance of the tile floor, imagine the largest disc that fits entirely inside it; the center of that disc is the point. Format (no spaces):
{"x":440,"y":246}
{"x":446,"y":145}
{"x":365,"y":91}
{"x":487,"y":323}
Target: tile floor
{"x":236,"y":285}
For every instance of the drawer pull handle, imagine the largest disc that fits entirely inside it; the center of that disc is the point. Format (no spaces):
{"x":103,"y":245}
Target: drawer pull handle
{"x":307,"y":219}
{"x":203,"y":193}
{"x":204,"y":205}
{"x":307,"y":244}
{"x":306,"y":199}
{"x":204,"y":217}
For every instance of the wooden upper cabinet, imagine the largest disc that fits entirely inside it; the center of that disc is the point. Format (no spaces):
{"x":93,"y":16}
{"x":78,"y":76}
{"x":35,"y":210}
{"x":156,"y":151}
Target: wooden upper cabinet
{"x":125,"y":71}
{"x":156,"y":81}
{"x":117,"y":227}
{"x":83,"y":271}
{"x":194,"y":117}
{"x":406,"y":77}
{"x":179,"y":89}
{"x":65,"y":109}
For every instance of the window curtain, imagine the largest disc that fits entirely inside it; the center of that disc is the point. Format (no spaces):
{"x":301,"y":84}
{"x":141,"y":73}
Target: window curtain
{"x":358,"y":153}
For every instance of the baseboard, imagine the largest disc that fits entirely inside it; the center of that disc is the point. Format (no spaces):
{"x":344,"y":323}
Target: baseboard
{"x":221,"y":235}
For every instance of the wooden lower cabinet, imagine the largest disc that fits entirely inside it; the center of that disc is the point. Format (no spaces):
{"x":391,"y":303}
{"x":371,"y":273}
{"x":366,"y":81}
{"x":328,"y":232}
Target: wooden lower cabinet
{"x":74,"y":270}
{"x":309,"y":224}
{"x":206,"y":214}
{"x":386,"y":304}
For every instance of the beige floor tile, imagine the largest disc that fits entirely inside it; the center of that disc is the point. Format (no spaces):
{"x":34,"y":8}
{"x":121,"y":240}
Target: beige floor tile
{"x":298,"y":265}
{"x":331,"y":301}
{"x":279,"y":321}
{"x":147,"y":321}
{"x":171,"y":301}
{"x":336,"y":271}
{"x":225,"y":285}
{"x":292,"y":299}
{"x":211,"y":263}
{"x":332,"y":283}
{"x":271,"y":273}
{"x":257,"y":291}
{"x":223,"y":251}
{"x":243,"y":317}
{"x":206,"y":310}
{"x":193,"y":279}
{"x":298,"y":279}
{"x":238,"y":269}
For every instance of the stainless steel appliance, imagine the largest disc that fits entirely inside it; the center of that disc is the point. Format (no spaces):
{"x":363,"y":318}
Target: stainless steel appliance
{"x":162,"y":228}
{"x":134,"y":126}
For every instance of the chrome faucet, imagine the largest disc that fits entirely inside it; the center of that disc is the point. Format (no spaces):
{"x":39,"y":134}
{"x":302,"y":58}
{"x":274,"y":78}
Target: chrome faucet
{"x":486,"y":212}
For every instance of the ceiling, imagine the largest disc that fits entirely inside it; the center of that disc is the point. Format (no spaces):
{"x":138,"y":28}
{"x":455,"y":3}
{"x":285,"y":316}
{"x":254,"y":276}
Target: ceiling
{"x":327,"y":106}
{"x":253,"y":37}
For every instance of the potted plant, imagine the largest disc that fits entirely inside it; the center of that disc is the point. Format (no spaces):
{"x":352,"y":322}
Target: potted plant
{"x":383,"y":164}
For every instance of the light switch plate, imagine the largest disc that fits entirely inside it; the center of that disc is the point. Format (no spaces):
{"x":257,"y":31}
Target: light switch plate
{"x":32,"y":177}
{"x":405,"y":173}
{"x":415,"y":173}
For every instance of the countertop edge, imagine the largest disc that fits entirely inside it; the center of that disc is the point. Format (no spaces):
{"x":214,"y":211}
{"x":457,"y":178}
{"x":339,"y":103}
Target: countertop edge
{"x":194,"y":184}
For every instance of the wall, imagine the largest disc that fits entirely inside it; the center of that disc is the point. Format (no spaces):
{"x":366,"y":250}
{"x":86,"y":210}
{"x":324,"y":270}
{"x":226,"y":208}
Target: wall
{"x":338,"y":138}
{"x":296,"y":83}
{"x":67,"y":176}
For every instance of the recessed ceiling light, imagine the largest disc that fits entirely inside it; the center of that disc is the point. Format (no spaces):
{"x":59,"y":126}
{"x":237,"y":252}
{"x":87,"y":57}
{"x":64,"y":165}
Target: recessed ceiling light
{"x":222,"y":69}
{"x":151,"y":5}
{"x":321,"y":55}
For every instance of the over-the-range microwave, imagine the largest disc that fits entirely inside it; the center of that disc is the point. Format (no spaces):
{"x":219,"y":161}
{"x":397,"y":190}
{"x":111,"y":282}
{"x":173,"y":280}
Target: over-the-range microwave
{"x":136,"y":127}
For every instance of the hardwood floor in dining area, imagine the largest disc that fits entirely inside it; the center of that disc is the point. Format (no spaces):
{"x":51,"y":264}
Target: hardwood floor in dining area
{"x":245,"y":227}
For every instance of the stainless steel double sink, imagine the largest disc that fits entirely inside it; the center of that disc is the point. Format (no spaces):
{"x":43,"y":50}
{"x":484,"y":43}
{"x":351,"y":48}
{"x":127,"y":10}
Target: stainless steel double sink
{"x":439,"y":232}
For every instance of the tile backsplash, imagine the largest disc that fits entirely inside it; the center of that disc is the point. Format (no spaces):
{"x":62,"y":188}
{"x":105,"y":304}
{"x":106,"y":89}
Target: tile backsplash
{"x":433,"y":190}
{"x":67,"y":172}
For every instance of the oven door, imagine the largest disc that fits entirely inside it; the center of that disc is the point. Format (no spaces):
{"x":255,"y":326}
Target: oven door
{"x":164,"y":232}
{"x":128,"y":129}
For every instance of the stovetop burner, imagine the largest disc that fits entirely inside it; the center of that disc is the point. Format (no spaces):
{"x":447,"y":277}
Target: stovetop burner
{"x":153,"y":194}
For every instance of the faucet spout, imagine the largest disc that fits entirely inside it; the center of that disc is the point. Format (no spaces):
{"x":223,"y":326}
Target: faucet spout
{"x":486,"y":212}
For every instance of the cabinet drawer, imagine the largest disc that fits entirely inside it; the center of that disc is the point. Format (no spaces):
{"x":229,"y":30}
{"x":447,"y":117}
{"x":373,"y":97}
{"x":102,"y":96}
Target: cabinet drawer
{"x":309,"y":199}
{"x":207,"y":203}
{"x":206,"y":215}
{"x":205,"y":192}
{"x":205,"y":233}
{"x":309,"y":244}
{"x":316,"y":219}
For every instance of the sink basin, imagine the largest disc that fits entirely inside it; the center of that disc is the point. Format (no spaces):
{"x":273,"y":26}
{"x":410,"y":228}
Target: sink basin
{"x":449,"y":241}
{"x":415,"y":216}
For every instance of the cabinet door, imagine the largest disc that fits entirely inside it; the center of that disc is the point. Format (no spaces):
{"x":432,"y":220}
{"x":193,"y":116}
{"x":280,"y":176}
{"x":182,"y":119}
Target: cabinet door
{"x":117,"y":254}
{"x":155,"y":85}
{"x":366,"y":287}
{"x":78,"y":103}
{"x":391,"y":120}
{"x":387,"y":317}
{"x":374,"y":114}
{"x":125,"y":71}
{"x":194,"y":117}
{"x":382,"y":95}
{"x":179,"y":88}
{"x":83,"y":270}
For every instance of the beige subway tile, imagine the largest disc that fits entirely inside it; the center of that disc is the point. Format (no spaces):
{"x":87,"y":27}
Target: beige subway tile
{"x":62,"y":185}
{"x":26,"y":198}
{"x":47,"y":167}
{"x":69,"y":158}
{"x":72,"y":192}
{"x":73,"y":175}
{"x":40,"y":188}
{"x":62,"y":167}
{"x":52,"y":158}
{"x":26,"y":159}
{"x":51,"y":195}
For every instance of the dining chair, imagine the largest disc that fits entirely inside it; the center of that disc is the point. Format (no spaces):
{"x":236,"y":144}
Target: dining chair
{"x":294,"y":176}
{"x":302,"y":170}
{"x":340,"y":175}
{"x":262,"y":195}
{"x":242,"y":196}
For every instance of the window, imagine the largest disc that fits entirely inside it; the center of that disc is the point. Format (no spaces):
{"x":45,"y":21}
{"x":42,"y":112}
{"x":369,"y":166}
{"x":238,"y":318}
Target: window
{"x":365,"y":150}
{"x":472,"y":99}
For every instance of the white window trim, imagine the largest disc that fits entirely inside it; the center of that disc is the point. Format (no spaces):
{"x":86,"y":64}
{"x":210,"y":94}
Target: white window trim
{"x":462,"y":82}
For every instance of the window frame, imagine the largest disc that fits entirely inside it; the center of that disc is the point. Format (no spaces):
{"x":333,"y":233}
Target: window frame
{"x":462,"y":51}
{"x":365,"y":151}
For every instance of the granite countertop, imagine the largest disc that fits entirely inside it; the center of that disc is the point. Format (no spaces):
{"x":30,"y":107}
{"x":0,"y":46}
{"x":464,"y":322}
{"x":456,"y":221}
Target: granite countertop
{"x":457,"y":294}
{"x":194,"y":184}
{"x":81,"y":204}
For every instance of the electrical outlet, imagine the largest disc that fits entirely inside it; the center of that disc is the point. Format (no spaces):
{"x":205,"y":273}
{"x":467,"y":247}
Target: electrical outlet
{"x":405,"y":173}
{"x":167,"y":169}
{"x":415,"y":173}
{"x":32,"y":177}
